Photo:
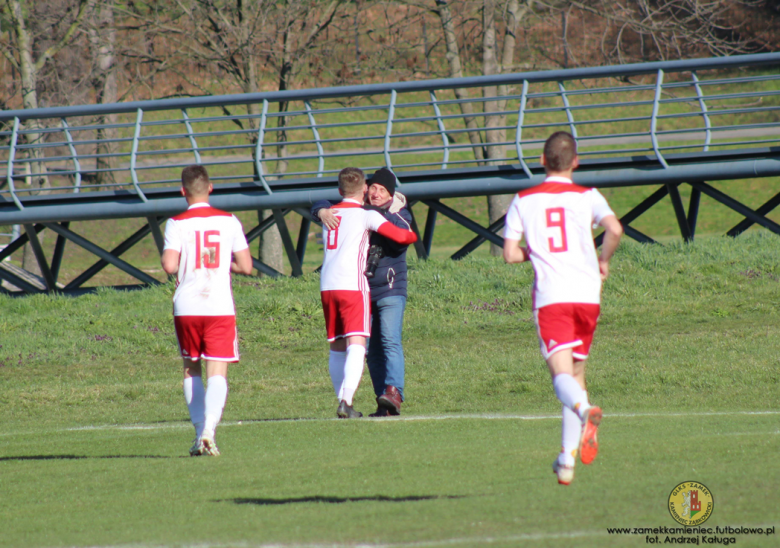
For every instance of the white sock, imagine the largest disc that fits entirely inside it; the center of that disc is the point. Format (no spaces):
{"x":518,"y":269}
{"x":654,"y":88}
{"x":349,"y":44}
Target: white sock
{"x":216,"y":395}
{"x":571,"y":393}
{"x":195,"y":396}
{"x":353,"y":371}
{"x":336,"y":363}
{"x":570,"y":440}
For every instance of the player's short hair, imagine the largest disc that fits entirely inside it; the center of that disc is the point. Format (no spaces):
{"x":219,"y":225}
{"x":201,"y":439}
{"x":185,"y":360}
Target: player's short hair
{"x":351,"y":180}
{"x":195,"y":180}
{"x":560,"y":149}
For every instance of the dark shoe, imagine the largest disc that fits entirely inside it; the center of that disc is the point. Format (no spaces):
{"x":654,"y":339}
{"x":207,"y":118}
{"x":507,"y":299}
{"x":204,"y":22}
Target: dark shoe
{"x":346,"y":412}
{"x":380,"y":412}
{"x":390,"y":400}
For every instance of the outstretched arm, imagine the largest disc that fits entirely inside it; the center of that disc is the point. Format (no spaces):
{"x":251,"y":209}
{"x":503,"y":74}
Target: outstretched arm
{"x":399,"y":235}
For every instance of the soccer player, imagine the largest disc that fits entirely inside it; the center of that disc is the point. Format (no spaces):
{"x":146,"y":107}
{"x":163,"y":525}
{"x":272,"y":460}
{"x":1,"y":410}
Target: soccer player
{"x":203,"y":246}
{"x":387,"y":287}
{"x":556,"y":218}
{"x":344,"y":287}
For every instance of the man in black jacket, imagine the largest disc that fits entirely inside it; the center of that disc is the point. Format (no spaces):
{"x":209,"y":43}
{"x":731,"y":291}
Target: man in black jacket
{"x":388,"y":291}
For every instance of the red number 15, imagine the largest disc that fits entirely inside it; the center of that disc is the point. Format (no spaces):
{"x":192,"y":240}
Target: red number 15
{"x":556,"y":218}
{"x":211,"y":258}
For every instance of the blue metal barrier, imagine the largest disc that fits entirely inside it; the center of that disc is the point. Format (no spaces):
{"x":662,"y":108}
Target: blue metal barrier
{"x":665,"y":123}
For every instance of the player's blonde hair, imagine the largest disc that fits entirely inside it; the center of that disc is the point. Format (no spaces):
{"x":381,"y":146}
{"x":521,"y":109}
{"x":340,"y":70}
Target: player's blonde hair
{"x":195,"y":180}
{"x":351,"y":180}
{"x":560,"y":149}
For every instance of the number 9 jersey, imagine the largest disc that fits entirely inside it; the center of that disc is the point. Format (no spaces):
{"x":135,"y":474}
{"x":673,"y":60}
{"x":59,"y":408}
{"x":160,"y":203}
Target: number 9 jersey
{"x":556,"y":219}
{"x":206,"y":239}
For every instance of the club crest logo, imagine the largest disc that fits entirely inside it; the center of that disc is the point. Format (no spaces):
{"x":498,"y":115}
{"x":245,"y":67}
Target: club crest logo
{"x":691,"y":503}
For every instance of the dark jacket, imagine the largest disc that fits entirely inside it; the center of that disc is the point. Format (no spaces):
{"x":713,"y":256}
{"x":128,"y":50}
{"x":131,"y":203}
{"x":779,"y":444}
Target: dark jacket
{"x":391,"y":273}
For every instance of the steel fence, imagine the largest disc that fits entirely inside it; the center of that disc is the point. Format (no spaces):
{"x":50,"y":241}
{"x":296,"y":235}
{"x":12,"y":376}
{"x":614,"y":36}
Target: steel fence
{"x":664,"y":123}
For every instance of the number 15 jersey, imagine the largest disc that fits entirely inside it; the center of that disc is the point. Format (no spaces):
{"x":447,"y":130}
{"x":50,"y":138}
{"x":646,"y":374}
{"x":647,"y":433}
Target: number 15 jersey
{"x":556,"y":219}
{"x":206,"y":239}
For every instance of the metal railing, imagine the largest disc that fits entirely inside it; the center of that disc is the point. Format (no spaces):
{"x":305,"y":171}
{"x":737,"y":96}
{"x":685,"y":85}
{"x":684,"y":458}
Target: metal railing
{"x":615,"y":112}
{"x":655,"y":123}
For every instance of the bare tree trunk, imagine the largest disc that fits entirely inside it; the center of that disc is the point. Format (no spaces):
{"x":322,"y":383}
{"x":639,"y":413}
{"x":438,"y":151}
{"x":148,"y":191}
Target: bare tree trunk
{"x":29,"y":73}
{"x":271,"y":248}
{"x":456,"y":71}
{"x":497,"y":205}
{"x":102,"y":38}
{"x":29,"y":69}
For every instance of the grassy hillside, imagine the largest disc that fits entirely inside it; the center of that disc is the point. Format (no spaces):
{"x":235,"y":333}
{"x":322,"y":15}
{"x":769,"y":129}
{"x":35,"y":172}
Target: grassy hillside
{"x":683,"y":326}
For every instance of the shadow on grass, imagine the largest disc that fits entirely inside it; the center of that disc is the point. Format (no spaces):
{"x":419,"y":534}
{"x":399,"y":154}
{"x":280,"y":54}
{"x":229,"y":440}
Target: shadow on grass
{"x":80,"y":457}
{"x":340,"y":500}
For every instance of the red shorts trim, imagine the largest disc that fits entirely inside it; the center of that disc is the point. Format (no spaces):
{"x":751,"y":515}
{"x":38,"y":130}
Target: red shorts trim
{"x":567,"y":325}
{"x":347,"y":314}
{"x":207,"y":337}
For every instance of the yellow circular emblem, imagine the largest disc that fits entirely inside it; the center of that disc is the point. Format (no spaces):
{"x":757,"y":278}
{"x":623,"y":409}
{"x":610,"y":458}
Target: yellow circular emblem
{"x":691,"y":503}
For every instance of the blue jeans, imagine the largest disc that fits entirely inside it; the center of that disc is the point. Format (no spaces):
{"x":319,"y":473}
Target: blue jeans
{"x":385,"y":354}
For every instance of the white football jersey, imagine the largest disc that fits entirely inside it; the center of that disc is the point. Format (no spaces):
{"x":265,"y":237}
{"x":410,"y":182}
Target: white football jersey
{"x":206,"y":239}
{"x":346,"y":247}
{"x":556,"y":219}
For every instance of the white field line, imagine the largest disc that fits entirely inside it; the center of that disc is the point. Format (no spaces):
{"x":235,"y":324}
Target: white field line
{"x":475,"y":541}
{"x":405,"y":418}
{"x":465,"y":416}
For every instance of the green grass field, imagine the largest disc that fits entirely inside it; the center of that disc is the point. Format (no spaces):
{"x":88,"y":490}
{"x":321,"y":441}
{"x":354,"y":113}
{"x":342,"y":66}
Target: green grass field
{"x":685,"y":365}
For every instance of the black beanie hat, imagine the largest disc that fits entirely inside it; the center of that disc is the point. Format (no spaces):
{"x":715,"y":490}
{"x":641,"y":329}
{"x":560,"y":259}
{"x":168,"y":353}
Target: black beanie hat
{"x":385,"y":178}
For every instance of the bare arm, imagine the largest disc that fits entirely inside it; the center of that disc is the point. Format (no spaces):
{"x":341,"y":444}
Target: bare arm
{"x":513,"y":253}
{"x":242,"y":262}
{"x":613,"y":230}
{"x":170,"y":261}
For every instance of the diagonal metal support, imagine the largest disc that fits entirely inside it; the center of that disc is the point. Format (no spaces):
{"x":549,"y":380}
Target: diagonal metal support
{"x":88,"y":274}
{"x":679,"y":211}
{"x":59,"y":251}
{"x":40,"y":257}
{"x":264,"y":225}
{"x":640,"y":237}
{"x":693,"y":211}
{"x":644,"y":205}
{"x":305,"y":213}
{"x":478,"y":241}
{"x":21,"y":283}
{"x":18,"y":243}
{"x":740,"y":208}
{"x":159,"y":240}
{"x":265,"y":269}
{"x":763,"y":210}
{"x":430,"y":226}
{"x":289,"y":247}
{"x":631,"y":232}
{"x":635,"y":213}
{"x":102,"y":253}
{"x":303,"y":239}
{"x":465,"y":222}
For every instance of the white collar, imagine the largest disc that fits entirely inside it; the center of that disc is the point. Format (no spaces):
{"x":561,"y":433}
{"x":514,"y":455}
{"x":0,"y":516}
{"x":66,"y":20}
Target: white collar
{"x":199,"y":204}
{"x":352,"y":200}
{"x":557,"y":179}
